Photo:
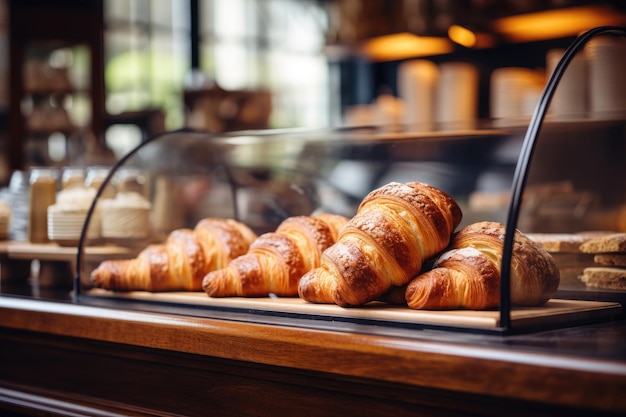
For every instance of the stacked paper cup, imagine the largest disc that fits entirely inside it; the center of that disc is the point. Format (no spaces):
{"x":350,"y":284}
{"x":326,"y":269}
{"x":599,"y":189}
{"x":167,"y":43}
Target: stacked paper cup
{"x":607,"y":84}
{"x":417,"y":87}
{"x":570,"y":98}
{"x":514,"y":92}
{"x":457,"y":96}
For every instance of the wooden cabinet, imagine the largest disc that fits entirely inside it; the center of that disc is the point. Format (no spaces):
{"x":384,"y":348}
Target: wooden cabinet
{"x":56,"y":74}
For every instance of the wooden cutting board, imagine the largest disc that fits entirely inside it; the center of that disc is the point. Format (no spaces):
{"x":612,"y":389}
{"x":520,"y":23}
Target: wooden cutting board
{"x":554,"y":312}
{"x":55,"y":252}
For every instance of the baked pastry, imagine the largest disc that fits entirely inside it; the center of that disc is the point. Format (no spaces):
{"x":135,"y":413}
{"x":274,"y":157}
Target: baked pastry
{"x":181,"y":262}
{"x":127,"y":216}
{"x":395,"y":229}
{"x":277,"y":260}
{"x":605,"y":277}
{"x":610,"y":259}
{"x":609,"y":254}
{"x":66,"y":216}
{"x":614,"y":242}
{"x":565,"y":250}
{"x":467,"y":273}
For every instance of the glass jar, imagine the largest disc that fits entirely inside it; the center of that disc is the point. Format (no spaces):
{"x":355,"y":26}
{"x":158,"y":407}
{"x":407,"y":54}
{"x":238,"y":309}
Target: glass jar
{"x":43,"y":184}
{"x":96,"y":176}
{"x":72,"y":177}
{"x":130,"y":180}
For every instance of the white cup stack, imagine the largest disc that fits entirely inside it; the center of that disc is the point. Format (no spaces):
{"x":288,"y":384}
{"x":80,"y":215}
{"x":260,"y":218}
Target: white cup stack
{"x":514,"y":92}
{"x":417,"y":87}
{"x":457,"y":96}
{"x":570,"y":98}
{"x":606,"y":58}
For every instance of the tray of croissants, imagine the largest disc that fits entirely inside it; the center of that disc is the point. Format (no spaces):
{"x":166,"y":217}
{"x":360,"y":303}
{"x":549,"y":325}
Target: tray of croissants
{"x":401,"y":258}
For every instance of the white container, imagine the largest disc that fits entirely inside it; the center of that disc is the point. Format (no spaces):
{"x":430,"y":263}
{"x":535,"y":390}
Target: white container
{"x":457,"y":96}
{"x":417,"y":87}
{"x":607,"y":83}
{"x":570,"y":99}
{"x":513,"y":93}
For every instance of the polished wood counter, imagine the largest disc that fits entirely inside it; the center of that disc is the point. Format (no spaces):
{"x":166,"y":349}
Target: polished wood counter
{"x":70,"y":359}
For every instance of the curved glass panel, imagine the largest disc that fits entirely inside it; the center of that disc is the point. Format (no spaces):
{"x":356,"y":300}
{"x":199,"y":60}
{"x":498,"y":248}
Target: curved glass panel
{"x":570,"y":185}
{"x":575,"y":184}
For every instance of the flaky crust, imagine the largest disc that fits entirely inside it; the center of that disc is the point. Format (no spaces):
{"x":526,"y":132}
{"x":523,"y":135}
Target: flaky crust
{"x":467,"y":274}
{"x":395,"y":229}
{"x":181,"y":262}
{"x":277,"y":260}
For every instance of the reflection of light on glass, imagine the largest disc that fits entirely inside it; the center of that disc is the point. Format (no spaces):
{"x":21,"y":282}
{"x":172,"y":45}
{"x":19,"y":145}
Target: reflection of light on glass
{"x":405,"y":45}
{"x":57,"y":146}
{"x":121,"y":139}
{"x":556,"y":23}
{"x":462,"y":36}
{"x":244,"y":140}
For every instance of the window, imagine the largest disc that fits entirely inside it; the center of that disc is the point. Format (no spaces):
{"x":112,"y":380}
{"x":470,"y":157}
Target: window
{"x":244,"y":44}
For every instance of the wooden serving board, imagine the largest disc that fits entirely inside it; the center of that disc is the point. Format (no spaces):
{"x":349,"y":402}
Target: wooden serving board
{"x":555,"y":311}
{"x":55,"y":252}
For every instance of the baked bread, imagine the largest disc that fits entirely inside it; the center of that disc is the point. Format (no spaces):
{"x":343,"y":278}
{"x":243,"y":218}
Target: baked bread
{"x":395,"y":229}
{"x":467,"y":274}
{"x":127,"y":216}
{"x":614,"y":242}
{"x":181,"y":262}
{"x":605,"y":277}
{"x":277,"y":260}
{"x":559,"y":242}
{"x":610,"y":259}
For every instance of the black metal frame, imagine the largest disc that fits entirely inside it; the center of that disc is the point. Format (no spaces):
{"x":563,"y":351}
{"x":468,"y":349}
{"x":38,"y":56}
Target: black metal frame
{"x":519,"y":182}
{"x":523,"y":164}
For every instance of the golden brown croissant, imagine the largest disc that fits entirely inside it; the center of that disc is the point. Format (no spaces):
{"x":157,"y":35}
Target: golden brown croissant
{"x":276,"y":260}
{"x":181,"y":262}
{"x":395,"y":229}
{"x":467,"y":274}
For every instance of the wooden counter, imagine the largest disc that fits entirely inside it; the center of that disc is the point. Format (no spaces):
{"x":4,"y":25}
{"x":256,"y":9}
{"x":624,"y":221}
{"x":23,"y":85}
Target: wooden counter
{"x":63,"y":358}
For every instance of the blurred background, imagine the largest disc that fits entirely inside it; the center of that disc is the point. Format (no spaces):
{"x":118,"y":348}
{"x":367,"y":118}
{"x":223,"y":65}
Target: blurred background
{"x":83,"y":82}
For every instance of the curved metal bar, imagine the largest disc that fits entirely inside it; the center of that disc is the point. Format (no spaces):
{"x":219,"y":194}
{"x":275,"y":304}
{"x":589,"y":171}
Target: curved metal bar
{"x":526,"y":153}
{"x":120,"y":163}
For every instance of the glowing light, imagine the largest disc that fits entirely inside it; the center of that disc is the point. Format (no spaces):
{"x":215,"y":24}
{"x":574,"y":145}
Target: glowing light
{"x":557,"y":23}
{"x":404,"y":45}
{"x":462,"y":36}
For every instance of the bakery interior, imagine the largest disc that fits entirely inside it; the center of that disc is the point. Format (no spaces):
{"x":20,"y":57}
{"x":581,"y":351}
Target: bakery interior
{"x":126,"y":124}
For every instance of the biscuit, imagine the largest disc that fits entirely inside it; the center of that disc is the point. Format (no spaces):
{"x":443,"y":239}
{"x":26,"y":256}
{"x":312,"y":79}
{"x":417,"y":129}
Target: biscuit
{"x":615,"y":242}
{"x":610,"y":259}
{"x":605,"y":277}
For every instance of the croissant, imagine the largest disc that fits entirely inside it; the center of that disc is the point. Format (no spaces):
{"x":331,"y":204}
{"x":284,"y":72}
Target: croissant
{"x":181,"y":262}
{"x":467,"y":274}
{"x":276,"y":260}
{"x":395,"y":229}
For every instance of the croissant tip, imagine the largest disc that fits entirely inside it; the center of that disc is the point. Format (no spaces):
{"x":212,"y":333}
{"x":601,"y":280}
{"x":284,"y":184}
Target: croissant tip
{"x":208,"y":283}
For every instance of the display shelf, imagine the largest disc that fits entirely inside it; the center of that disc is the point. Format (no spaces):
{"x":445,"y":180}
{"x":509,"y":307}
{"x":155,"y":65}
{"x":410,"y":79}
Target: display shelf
{"x":37,"y":30}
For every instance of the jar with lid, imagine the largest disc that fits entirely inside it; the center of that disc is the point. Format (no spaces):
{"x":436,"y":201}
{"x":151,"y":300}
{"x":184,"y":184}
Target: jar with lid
{"x":43,"y":183}
{"x":131,"y":180}
{"x":72,"y":177}
{"x":96,"y":175}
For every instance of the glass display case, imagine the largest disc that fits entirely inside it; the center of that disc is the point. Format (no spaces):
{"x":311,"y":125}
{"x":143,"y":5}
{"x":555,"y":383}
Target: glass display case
{"x":552,"y":178}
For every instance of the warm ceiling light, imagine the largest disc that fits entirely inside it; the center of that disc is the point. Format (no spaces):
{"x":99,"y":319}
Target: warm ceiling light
{"x":404,"y":45}
{"x":557,"y":23}
{"x":462,"y":36}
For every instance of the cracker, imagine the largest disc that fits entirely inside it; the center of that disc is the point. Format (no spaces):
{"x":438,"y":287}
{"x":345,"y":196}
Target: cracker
{"x":558,"y":242}
{"x":615,"y":242}
{"x":610,"y":259}
{"x":605,"y":277}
